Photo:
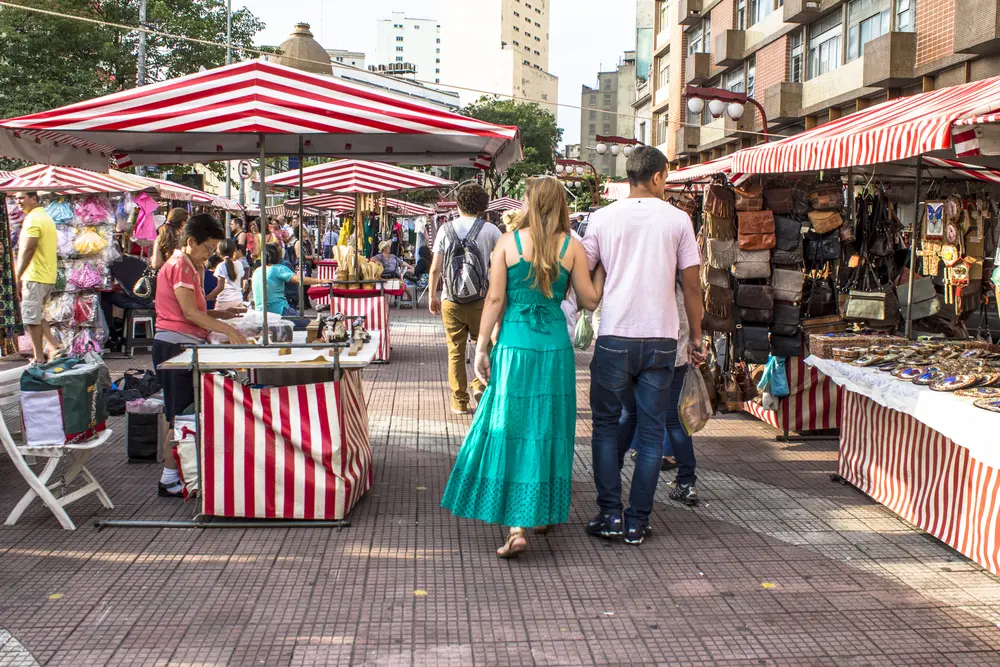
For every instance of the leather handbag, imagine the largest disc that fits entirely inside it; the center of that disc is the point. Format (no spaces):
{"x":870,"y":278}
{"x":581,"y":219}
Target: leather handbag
{"x":756,"y":230}
{"x":145,"y":286}
{"x":827,"y":197}
{"x":755,"y":296}
{"x":801,"y":189}
{"x":720,"y":201}
{"x":786,"y":346}
{"x":925,"y":302}
{"x":721,"y":254}
{"x":750,"y":198}
{"x":876,"y":307}
{"x":820,"y":249}
{"x":824,"y":222}
{"x":787,"y":284}
{"x":753,"y":344}
{"x":719,"y":228}
{"x":785,"y":321}
{"x":686,"y":204}
{"x":717,"y":277}
{"x":755,"y":315}
{"x":719,"y":301}
{"x":779,"y":200}
{"x":714,"y":323}
{"x":787,"y":257}
{"x":751,"y":264}
{"x":788,"y":233}
{"x":818,"y":298}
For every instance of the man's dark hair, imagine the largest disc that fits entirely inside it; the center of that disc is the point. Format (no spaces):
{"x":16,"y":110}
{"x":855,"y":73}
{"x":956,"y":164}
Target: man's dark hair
{"x":203,"y":228}
{"x":644,"y":163}
{"x":472,"y":199}
{"x":272,"y":254}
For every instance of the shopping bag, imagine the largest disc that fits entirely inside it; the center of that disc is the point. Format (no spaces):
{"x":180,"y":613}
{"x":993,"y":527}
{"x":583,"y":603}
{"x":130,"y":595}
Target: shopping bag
{"x":774,"y":380}
{"x":583,"y":335}
{"x":694,"y":405}
{"x":62,"y":402}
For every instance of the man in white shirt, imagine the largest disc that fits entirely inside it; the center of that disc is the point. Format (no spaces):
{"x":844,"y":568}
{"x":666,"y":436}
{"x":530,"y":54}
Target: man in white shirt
{"x":461,"y":313}
{"x":643,"y":242}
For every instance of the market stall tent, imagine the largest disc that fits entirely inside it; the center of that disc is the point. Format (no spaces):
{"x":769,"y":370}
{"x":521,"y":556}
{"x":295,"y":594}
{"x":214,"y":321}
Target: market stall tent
{"x":505,"y":204}
{"x":357,"y":177}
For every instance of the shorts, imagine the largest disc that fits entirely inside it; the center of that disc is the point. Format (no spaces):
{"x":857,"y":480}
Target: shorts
{"x":33,"y":297}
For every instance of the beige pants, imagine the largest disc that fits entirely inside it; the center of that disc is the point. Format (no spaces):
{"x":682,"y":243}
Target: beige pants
{"x":461,"y":322}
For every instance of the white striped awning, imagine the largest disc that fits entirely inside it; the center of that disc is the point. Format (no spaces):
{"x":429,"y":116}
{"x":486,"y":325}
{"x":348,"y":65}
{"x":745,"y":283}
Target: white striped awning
{"x":69,"y":180}
{"x":505,"y":204}
{"x":356,"y":176}
{"x":894,"y":130}
{"x":324,"y":202}
{"x":225,"y":112}
{"x":703,"y":171}
{"x":406,"y":208}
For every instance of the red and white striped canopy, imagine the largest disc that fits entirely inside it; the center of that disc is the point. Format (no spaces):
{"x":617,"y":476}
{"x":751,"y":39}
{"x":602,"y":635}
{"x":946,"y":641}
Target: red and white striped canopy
{"x":894,"y":130}
{"x":406,"y":208}
{"x":323,"y":202}
{"x":224,"y":113}
{"x":356,"y":176}
{"x":68,"y":180}
{"x":505,"y":204}
{"x":703,"y":171}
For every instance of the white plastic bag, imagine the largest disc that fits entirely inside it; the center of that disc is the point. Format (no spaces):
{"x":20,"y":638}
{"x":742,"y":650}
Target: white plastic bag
{"x":584,"y":334}
{"x":694,"y":405}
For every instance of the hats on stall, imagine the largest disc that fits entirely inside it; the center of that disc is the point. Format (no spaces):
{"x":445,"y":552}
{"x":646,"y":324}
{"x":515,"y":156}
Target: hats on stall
{"x":383,"y":245}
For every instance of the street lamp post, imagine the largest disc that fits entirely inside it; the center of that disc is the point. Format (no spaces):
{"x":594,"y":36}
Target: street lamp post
{"x":615,"y":145}
{"x":722,"y":101}
{"x":573,"y":171}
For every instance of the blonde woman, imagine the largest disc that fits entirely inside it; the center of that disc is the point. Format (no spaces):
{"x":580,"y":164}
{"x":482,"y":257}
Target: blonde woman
{"x":516,"y":465}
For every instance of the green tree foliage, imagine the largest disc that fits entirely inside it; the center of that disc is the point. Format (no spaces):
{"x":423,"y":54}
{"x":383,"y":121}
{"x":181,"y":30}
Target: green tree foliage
{"x":540,"y":136}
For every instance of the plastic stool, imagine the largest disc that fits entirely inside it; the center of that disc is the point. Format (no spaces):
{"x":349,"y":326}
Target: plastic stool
{"x":133,"y":318}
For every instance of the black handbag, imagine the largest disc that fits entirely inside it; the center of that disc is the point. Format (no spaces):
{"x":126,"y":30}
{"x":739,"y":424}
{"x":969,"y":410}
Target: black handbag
{"x":819,"y":298}
{"x":787,"y":257}
{"x":785,"y":319}
{"x":788,"y":233}
{"x":786,"y":346}
{"x":145,"y":286}
{"x":820,"y":249}
{"x":753,"y":344}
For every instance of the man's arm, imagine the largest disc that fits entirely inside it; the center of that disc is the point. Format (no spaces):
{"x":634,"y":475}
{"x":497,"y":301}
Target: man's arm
{"x":28,"y":247}
{"x":434,"y":282}
{"x":691,"y":286}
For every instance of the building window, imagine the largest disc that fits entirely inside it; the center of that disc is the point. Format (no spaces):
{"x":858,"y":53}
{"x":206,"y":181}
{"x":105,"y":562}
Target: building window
{"x":437,"y":71}
{"x":795,"y":64}
{"x":593,"y":100}
{"x":516,"y":44}
{"x":437,"y":60}
{"x":438,"y":40}
{"x":642,"y":132}
{"x":538,"y":39}
{"x":538,"y":53}
{"x":751,"y":75}
{"x":416,"y":27}
{"x":437,"y":50}
{"x":661,"y":128}
{"x":537,"y":24}
{"x":399,"y":38}
{"x":904,"y":15}
{"x":866,"y":20}
{"x":607,"y":128}
{"x":399,"y":59}
{"x":741,"y":14}
{"x":525,"y":63}
{"x":664,"y":73}
{"x":399,"y":48}
{"x":592,"y":115}
{"x":734,"y":81}
{"x":517,"y":15}
{"x":527,"y":20}
{"x":607,"y":100}
{"x":695,"y":42}
{"x":761,"y":9}
{"x":516,"y":29}
{"x":824,"y":45}
{"x":664,"y":15}
{"x":592,"y":129}
{"x":527,"y":34}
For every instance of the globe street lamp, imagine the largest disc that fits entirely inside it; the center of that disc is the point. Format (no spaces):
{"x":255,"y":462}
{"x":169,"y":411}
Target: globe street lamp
{"x":615,"y":145}
{"x":572,"y":172}
{"x":722,"y":101}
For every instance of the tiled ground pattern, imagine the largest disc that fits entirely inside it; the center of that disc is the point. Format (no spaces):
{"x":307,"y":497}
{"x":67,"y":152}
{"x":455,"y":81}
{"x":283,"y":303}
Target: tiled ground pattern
{"x":778,"y":566}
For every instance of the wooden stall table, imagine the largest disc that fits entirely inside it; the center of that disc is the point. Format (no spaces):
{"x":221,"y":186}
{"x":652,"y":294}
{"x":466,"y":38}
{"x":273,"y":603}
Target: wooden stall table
{"x":930,"y":457}
{"x":812,"y":404}
{"x":370,"y":301}
{"x":299,"y":449}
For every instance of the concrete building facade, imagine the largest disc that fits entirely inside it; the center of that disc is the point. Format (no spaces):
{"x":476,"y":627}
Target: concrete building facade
{"x":350,"y":58}
{"x":607,"y":110}
{"x":806,"y":61}
{"x":499,"y":47}
{"x":402,"y":39}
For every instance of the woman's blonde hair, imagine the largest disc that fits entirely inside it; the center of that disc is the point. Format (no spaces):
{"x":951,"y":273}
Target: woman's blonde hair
{"x":548,"y":221}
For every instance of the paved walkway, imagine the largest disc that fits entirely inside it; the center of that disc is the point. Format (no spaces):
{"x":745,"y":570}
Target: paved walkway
{"x":778,"y":566}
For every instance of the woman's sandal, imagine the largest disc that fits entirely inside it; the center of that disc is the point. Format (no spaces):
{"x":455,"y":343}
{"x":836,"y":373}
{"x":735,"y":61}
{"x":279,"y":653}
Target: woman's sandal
{"x":515,"y":544}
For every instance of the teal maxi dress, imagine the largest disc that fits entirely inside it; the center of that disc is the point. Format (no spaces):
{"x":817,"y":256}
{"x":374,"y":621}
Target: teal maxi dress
{"x":516,"y":465}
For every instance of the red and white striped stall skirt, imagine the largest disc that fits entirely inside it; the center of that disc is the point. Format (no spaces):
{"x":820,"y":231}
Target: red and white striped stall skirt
{"x":811,"y":406}
{"x":923,"y":477}
{"x":299,"y":452}
{"x":326,"y":269}
{"x":376,"y":310}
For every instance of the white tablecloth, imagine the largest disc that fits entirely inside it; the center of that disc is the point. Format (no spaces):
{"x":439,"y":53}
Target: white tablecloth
{"x":954,"y":417}
{"x":221,"y":359}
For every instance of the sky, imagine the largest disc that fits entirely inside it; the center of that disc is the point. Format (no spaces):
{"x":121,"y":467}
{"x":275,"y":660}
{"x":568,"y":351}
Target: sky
{"x":587,"y":36}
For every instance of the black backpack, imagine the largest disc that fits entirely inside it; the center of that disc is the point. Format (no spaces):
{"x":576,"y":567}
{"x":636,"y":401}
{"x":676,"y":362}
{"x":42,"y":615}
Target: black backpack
{"x":466,"y":275}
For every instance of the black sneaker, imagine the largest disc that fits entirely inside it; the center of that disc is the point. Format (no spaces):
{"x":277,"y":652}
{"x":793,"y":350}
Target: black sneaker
{"x":606,"y":525}
{"x":684,"y":493}
{"x":165,"y":492}
{"x":636,"y":533}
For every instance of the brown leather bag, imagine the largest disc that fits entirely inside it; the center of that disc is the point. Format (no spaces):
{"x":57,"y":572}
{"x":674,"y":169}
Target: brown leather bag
{"x":717,"y":277}
{"x":756,"y":230}
{"x":720,"y":201}
{"x":719,"y":228}
{"x":750,"y":198}
{"x":686,"y":204}
{"x":755,"y":296}
{"x":827,"y":197}
{"x":779,"y":200}
{"x":719,"y":301}
{"x":825,"y":221}
{"x":710,"y":322}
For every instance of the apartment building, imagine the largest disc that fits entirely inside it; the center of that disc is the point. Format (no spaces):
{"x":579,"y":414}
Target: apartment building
{"x":499,"y":47}
{"x":402,"y":39}
{"x":607,"y":110}
{"x":350,"y":58}
{"x":806,"y":61}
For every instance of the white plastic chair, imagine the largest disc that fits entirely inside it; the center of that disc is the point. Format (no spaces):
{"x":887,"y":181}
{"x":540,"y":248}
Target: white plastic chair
{"x":76,"y":454}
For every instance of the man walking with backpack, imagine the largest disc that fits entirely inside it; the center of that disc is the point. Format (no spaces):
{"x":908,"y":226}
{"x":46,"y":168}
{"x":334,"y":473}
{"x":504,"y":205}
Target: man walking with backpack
{"x":462,"y":250}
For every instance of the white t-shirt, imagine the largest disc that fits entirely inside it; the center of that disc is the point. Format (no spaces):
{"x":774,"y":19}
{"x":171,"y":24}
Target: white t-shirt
{"x":486,"y":241}
{"x":642,"y":243}
{"x":233,"y":290}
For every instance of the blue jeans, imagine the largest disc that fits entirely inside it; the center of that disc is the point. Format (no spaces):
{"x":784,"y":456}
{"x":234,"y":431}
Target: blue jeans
{"x":676,"y":441}
{"x":630,"y":375}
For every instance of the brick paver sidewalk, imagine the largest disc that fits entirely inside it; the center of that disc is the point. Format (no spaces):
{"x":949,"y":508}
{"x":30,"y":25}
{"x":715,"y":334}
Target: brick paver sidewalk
{"x":778,"y":566}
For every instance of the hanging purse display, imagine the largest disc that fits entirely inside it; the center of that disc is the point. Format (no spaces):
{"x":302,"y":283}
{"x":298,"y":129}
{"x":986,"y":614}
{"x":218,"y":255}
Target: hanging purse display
{"x":751,"y":264}
{"x":719,"y":301}
{"x":755,"y":296}
{"x":876,"y":306}
{"x":719,"y":228}
{"x":720,"y":201}
{"x":753,"y":343}
{"x":714,"y":323}
{"x":756,"y":230}
{"x":754,"y":315}
{"x":787,"y":257}
{"x":787,"y":284}
{"x":717,"y":277}
{"x":925,"y":302}
{"x":786,"y":346}
{"x":819,"y":298}
{"x":749,"y":198}
{"x":801,"y":190}
{"x":824,"y":222}
{"x":687,"y":204}
{"x":721,"y":254}
{"x":788,"y":233}
{"x":785,"y":319}
{"x":820,"y":249}
{"x":779,"y":200}
{"x":827,"y":197}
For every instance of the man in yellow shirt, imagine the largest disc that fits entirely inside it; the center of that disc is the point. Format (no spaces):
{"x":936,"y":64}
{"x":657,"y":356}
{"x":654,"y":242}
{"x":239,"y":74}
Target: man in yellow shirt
{"x":36,"y":271}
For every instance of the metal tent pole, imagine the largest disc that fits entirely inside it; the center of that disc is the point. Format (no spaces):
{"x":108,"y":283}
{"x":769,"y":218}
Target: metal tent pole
{"x":913,"y":248}
{"x":229,"y":163}
{"x":263,"y":233}
{"x":302,"y":230}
